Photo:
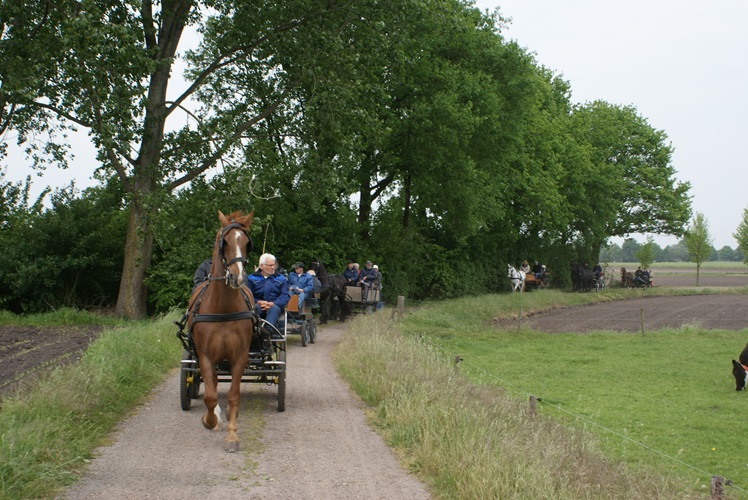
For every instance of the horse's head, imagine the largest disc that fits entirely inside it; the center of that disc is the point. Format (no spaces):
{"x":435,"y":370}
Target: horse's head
{"x":233,"y":245}
{"x":320,"y":271}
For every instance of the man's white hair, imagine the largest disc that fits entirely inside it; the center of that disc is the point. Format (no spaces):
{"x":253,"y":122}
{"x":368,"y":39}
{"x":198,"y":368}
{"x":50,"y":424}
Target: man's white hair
{"x":264,"y":258}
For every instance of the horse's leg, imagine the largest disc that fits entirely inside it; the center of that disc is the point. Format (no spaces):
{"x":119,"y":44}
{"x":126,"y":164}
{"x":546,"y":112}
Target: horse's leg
{"x":234,"y":396}
{"x":210,"y":398}
{"x":324,"y":310}
{"x":343,"y":307}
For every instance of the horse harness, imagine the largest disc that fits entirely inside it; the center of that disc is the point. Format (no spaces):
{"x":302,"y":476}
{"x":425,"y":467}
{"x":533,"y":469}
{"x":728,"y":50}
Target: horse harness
{"x":250,"y":313}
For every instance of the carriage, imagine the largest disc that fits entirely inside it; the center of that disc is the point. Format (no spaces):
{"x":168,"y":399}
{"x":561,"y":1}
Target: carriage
{"x":539,"y":283}
{"x":266,"y":365}
{"x":301,"y":320}
{"x":360,"y":304}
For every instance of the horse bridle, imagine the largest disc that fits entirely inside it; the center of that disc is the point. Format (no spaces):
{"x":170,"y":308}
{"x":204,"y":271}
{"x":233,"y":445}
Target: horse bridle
{"x":243,"y":260}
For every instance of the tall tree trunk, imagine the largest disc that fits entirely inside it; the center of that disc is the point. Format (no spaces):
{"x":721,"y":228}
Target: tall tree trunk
{"x":406,"y":203}
{"x":132,"y":298}
{"x":131,"y":301}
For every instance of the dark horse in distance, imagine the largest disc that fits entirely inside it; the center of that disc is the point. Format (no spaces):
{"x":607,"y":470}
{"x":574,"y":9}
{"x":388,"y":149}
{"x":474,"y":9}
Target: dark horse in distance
{"x":332,"y":297}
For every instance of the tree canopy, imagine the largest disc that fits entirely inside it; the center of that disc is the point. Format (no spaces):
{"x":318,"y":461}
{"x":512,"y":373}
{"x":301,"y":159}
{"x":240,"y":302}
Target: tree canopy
{"x":410,"y":132}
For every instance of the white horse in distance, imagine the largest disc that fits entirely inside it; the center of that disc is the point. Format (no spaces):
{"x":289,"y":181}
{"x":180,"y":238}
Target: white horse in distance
{"x":516,"y":279}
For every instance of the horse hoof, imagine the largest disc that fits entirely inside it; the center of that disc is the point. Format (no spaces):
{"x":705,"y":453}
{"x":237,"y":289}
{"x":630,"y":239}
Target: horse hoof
{"x":232,"y":447}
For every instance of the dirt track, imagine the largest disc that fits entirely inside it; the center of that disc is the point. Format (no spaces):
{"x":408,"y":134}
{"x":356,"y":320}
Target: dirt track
{"x":728,"y":312}
{"x":320,"y":447}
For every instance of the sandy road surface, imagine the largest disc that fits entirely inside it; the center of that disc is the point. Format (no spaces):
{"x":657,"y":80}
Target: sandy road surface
{"x":320,"y":447}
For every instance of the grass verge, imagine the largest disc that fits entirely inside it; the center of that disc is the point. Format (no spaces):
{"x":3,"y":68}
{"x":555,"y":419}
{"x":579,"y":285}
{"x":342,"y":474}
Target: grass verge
{"x":469,"y":434}
{"x":48,"y":434}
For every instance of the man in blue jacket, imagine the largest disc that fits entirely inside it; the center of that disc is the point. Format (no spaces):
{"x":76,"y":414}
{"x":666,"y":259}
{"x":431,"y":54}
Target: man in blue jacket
{"x":299,"y":283}
{"x":270,"y":289}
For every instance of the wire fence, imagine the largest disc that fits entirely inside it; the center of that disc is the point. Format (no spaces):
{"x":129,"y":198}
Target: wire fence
{"x":718,"y":481}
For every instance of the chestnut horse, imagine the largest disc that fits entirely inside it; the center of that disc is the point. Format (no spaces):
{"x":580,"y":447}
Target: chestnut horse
{"x":221,"y":319}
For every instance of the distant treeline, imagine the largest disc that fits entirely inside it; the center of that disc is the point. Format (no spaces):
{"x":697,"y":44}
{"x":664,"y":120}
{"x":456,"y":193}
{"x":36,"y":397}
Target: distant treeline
{"x":671,"y":253}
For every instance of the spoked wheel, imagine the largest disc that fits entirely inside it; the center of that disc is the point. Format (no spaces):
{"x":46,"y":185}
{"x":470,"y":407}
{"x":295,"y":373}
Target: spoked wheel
{"x":189,"y":383}
{"x":312,"y":331}
{"x":281,"y":355}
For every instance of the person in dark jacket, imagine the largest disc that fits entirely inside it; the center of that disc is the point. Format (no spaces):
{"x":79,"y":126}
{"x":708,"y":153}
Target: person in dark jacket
{"x":351,"y":274}
{"x":202,"y":272}
{"x":269,"y":288}
{"x":366,"y":278}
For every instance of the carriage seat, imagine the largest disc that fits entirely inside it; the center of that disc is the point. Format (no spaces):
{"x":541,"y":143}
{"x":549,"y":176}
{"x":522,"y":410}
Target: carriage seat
{"x":305,"y":311}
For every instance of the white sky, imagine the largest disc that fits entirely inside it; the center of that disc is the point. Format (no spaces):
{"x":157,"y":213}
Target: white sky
{"x":683,"y":64}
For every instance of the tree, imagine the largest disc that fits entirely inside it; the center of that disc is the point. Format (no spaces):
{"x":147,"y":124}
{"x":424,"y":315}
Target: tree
{"x":698,"y":241}
{"x":629,"y":249}
{"x":645,"y":253}
{"x":632,"y":185}
{"x":107,"y":67}
{"x":741,"y":236}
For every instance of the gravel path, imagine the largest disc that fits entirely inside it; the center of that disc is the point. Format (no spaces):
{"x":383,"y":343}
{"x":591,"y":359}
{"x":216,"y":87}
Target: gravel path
{"x":320,"y":447}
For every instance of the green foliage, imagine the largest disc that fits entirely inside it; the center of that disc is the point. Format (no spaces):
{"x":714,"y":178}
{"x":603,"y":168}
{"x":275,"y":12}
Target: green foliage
{"x":741,"y":235}
{"x":67,"y":255}
{"x":645,"y":254}
{"x":698,"y":241}
{"x":356,"y":127}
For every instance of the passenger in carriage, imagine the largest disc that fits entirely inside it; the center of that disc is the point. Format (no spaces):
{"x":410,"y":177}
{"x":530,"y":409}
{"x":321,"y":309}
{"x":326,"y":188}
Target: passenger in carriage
{"x":366,"y":279}
{"x":525,"y":267}
{"x":270,"y":289}
{"x":537,"y":270}
{"x":598,"y":270}
{"x":316,"y":283}
{"x":202,"y":272}
{"x":365,"y":273}
{"x":300,"y":283}
{"x":351,"y":274}
{"x":376,"y":282}
{"x":641,"y":277}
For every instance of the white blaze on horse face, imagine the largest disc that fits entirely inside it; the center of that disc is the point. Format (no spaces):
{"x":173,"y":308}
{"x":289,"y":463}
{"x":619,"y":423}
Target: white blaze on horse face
{"x":240,"y":275}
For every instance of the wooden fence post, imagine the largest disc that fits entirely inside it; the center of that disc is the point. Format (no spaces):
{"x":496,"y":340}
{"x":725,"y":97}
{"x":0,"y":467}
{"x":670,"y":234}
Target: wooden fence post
{"x":718,"y":487}
{"x":400,"y":308}
{"x":519,"y":319}
{"x":533,"y":405}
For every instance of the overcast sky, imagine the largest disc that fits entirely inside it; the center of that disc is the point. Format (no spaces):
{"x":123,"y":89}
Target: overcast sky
{"x":683,"y":64}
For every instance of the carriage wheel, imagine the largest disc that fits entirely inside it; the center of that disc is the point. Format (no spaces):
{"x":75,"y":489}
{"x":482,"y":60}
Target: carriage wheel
{"x":313,"y":331}
{"x":282,"y":380}
{"x":305,"y":333}
{"x":186,"y":388}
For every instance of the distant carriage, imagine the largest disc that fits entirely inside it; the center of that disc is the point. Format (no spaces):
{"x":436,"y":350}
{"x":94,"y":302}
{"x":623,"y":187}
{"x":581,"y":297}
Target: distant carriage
{"x":520,"y":281}
{"x":363,"y":301}
{"x":541,"y":282}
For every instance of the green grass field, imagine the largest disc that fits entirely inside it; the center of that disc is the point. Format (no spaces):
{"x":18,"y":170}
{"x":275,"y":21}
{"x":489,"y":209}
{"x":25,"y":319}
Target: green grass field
{"x":665,"y":400}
